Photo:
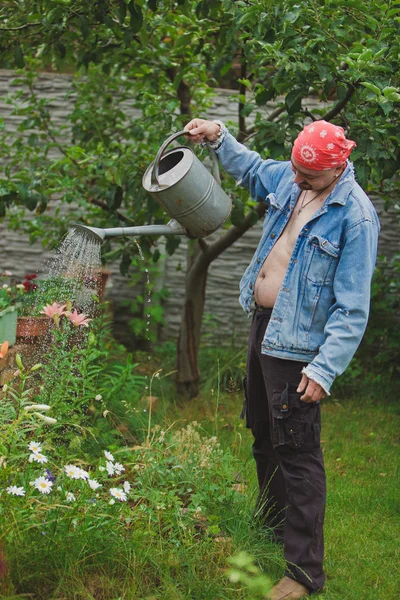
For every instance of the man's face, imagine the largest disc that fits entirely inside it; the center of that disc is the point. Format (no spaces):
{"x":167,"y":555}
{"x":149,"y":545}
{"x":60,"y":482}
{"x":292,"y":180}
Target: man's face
{"x":310,"y":179}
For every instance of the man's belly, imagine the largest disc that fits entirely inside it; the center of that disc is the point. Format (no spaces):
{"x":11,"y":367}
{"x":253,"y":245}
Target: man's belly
{"x":270,"y":277}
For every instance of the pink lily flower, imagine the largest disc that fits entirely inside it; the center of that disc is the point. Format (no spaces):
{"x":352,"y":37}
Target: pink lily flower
{"x":51,"y":310}
{"x":55,"y":311}
{"x":3,"y":349}
{"x":78,"y":319}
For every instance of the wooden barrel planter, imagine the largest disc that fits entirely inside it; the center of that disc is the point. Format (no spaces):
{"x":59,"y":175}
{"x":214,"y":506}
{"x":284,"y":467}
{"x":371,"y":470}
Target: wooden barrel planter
{"x":31,"y":329}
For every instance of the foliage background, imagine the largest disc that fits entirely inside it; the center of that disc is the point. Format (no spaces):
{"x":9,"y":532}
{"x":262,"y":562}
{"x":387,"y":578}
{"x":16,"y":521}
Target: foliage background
{"x":163,"y":59}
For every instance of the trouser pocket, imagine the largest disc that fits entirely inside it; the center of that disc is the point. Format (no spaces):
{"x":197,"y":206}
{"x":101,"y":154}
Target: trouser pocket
{"x":295,"y":424}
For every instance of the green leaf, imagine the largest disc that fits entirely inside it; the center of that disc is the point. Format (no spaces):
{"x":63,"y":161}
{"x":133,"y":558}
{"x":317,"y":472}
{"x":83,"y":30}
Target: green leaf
{"x":156,"y":255}
{"x":84,"y":24}
{"x":18,"y":362}
{"x":247,"y":109}
{"x":121,"y":11}
{"x":293,"y":101}
{"x":387,"y":107}
{"x":237,"y":215}
{"x":225,"y":68}
{"x":125,"y":262}
{"x":183,"y":40}
{"x":136,"y":17}
{"x":118,"y":197}
{"x":263,"y":96}
{"x":172,"y":243}
{"x":246,"y":82}
{"x":19,"y":57}
{"x":292,"y":16}
{"x":362,"y":172}
{"x":391,"y":93}
{"x":372,"y":87}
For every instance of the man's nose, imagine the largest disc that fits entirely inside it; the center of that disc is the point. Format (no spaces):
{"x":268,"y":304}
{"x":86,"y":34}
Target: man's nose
{"x":298,"y":178}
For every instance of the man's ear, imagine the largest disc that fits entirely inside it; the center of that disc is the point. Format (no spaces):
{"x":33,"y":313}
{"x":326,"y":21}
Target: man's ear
{"x":341,"y":168}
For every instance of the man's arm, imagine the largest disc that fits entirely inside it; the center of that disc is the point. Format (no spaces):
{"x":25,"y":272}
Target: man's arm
{"x":348,"y":316}
{"x":250,"y":171}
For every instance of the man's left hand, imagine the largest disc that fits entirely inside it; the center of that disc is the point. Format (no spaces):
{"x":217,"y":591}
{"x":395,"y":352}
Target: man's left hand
{"x":313,"y":392}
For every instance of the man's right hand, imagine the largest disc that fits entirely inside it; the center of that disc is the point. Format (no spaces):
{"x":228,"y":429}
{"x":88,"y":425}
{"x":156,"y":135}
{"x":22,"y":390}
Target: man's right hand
{"x":200,"y":130}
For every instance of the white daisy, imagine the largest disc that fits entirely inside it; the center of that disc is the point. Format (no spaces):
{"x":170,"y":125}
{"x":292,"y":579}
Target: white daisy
{"x":110,"y":468}
{"x":127,"y":487}
{"x":38,"y":457}
{"x":108,"y":455}
{"x":35,"y":447}
{"x":118,"y":468}
{"x":43,"y":485}
{"x":70,"y":497}
{"x":72,"y":471}
{"x":15,"y":491}
{"x":83,"y":474}
{"x":93,"y":484}
{"x":112,"y":501}
{"x":118,"y":494}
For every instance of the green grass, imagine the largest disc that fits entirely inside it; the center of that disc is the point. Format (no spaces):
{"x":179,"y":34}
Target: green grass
{"x":165,"y":557}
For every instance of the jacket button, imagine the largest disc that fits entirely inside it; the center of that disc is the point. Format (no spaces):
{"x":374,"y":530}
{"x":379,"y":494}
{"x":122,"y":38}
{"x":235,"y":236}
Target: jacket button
{"x":251,"y":286}
{"x":284,"y":406}
{"x":258,"y":260}
{"x":272,"y":236}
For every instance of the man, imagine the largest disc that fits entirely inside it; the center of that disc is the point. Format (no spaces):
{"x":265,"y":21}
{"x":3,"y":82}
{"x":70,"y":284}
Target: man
{"x":310,"y":279}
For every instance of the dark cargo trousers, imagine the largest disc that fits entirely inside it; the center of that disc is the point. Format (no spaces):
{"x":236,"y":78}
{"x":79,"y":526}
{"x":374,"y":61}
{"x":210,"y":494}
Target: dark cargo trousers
{"x":289,"y":461}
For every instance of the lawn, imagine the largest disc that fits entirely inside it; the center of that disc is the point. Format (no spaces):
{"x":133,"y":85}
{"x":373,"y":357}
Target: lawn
{"x":166,"y":522}
{"x":360,"y":441}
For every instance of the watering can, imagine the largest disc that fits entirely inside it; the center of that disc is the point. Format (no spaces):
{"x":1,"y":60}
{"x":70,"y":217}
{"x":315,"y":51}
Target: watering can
{"x":186,"y":190}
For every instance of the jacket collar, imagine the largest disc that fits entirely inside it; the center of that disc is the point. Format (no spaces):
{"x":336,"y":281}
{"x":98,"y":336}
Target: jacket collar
{"x":343,"y":187}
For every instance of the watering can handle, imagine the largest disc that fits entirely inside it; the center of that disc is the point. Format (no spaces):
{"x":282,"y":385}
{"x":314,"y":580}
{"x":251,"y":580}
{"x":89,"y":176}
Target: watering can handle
{"x":154,"y":172}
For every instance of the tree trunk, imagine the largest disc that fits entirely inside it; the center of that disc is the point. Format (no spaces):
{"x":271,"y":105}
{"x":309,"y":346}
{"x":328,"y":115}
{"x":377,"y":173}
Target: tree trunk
{"x":187,"y":377}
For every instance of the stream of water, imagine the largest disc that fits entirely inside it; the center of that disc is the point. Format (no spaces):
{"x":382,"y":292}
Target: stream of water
{"x":77,"y":260}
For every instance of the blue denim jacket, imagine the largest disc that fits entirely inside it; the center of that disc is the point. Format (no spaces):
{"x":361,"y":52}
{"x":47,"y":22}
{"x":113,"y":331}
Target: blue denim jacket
{"x":322,"y":308}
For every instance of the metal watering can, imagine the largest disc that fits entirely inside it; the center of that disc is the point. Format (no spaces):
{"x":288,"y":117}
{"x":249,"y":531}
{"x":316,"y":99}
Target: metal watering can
{"x":186,"y":190}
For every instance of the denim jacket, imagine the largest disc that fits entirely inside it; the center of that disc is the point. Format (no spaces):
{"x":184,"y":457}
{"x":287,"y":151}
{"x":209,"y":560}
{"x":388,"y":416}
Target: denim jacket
{"x":322,"y":307}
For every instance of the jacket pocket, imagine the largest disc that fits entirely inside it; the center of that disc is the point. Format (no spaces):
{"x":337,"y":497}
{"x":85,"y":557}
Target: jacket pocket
{"x":322,"y":261}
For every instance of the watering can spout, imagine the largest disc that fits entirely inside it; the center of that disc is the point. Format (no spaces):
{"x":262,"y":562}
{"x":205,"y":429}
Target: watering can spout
{"x":99,"y":235}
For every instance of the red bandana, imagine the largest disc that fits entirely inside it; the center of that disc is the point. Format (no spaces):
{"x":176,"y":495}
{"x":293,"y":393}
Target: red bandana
{"x":322,"y":146}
